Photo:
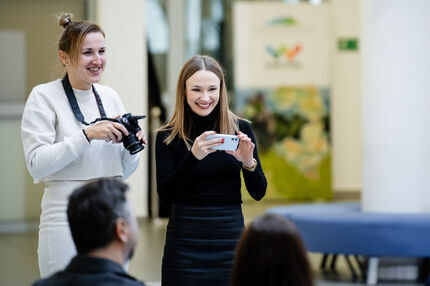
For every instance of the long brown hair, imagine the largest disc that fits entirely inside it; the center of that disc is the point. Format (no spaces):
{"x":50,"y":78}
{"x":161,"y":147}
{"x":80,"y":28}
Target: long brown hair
{"x":180,"y":123}
{"x":271,"y":252}
{"x":73,"y":36}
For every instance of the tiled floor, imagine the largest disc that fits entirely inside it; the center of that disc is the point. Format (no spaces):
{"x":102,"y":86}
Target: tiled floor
{"x":18,"y":262}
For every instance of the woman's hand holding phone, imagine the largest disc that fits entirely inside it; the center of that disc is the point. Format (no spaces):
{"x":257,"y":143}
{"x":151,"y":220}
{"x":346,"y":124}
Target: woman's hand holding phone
{"x":245,"y":151}
{"x":230,"y":142}
{"x":202,"y":147}
{"x":240,"y":146}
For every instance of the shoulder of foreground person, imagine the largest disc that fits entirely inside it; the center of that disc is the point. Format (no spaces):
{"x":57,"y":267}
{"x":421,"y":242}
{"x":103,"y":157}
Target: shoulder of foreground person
{"x":61,"y":279}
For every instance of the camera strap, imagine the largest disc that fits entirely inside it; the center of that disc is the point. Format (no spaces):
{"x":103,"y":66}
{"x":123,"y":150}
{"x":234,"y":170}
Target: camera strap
{"x":74,"y":103}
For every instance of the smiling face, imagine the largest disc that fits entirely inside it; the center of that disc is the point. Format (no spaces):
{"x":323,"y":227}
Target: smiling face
{"x":202,"y":92}
{"x":90,"y":62}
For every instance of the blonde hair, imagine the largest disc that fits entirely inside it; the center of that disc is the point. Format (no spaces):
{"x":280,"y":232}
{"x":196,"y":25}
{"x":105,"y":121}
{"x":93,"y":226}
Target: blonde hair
{"x":74,"y":33}
{"x":180,"y":123}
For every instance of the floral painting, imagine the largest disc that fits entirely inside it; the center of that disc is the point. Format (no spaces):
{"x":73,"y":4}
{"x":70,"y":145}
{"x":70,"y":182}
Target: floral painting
{"x":292,"y":127}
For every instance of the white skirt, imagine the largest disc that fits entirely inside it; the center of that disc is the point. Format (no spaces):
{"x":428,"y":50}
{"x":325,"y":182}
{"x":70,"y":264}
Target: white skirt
{"x":56,"y":247}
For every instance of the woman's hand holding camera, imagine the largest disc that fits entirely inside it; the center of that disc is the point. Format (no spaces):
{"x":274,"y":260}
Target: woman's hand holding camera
{"x":245,"y":151}
{"x":106,"y":130}
{"x":111,"y":131}
{"x":202,"y":147}
{"x":141,"y":137}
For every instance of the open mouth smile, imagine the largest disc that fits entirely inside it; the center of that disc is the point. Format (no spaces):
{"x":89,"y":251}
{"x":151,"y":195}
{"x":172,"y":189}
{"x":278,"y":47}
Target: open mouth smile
{"x":94,"y":69}
{"x":204,"y":105}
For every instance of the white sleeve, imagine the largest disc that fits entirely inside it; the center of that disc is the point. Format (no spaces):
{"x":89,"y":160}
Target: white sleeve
{"x":43,"y":155}
{"x":129,"y":163}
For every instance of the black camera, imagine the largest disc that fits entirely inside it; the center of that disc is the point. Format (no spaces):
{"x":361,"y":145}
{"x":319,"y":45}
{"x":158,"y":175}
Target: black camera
{"x":130,"y":142}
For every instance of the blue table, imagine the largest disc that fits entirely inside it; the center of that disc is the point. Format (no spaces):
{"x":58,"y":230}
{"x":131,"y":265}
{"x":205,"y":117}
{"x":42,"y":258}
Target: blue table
{"x":342,"y":228}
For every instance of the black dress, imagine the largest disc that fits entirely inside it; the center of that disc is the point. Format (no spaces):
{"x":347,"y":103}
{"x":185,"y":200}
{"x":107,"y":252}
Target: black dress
{"x":206,"y":219}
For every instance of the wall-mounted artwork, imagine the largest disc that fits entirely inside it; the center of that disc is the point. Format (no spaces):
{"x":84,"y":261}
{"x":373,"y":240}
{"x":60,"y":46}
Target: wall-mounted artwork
{"x":282,"y":87}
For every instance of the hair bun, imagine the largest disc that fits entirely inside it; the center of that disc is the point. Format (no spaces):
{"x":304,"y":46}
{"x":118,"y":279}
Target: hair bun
{"x":65,"y":20}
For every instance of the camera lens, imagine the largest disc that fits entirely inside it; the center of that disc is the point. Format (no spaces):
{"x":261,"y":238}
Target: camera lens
{"x":135,"y":148}
{"x":131,"y":143}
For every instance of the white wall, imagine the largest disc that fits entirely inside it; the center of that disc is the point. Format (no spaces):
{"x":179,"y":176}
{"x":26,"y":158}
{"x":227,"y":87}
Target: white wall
{"x":396,"y":88}
{"x":123,"y":23}
{"x":346,"y":101}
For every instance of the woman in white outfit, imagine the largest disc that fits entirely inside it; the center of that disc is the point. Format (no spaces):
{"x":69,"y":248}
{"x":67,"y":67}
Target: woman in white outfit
{"x":62,"y":149}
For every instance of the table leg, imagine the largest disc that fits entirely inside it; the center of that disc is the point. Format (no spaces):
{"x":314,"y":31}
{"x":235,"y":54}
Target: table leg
{"x":372,"y":271}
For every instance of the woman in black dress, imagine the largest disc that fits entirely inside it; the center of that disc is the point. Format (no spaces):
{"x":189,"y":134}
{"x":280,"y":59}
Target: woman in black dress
{"x":202,"y":185}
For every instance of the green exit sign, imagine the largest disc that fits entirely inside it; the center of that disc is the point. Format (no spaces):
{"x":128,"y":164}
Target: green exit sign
{"x":348,"y":44}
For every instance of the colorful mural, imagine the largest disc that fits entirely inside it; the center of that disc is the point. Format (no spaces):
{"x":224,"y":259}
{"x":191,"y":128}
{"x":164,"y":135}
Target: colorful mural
{"x":292,"y":129}
{"x":281,"y":78}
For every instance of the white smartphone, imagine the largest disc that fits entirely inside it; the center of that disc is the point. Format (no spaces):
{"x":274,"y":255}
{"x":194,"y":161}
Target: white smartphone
{"x":231,"y":142}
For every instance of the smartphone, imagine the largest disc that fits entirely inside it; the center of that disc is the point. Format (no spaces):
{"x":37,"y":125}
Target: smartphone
{"x":231,"y":142}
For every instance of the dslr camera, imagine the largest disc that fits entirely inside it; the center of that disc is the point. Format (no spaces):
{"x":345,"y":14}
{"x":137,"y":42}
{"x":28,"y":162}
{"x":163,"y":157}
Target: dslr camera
{"x":130,"y":142}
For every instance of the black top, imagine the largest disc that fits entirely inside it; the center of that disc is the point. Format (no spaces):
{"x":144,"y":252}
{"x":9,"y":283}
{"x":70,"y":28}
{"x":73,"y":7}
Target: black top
{"x":86,"y":271}
{"x":214,"y":180}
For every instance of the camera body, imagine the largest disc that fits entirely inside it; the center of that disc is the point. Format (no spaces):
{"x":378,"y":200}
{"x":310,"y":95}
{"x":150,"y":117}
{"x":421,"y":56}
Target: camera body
{"x":130,"y":142}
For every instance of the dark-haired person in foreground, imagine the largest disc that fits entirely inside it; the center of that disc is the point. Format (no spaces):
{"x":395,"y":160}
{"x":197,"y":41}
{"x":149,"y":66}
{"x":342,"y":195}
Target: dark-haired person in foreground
{"x":105,"y":231}
{"x":271,"y":253}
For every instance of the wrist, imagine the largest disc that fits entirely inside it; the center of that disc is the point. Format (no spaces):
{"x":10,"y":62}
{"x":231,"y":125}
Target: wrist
{"x":250,"y":167}
{"x":249,"y":163}
{"x":194,"y":154}
{"x":86,"y":134}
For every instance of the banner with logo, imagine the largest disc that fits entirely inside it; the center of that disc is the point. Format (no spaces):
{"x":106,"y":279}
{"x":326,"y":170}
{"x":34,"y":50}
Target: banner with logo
{"x":281,"y":61}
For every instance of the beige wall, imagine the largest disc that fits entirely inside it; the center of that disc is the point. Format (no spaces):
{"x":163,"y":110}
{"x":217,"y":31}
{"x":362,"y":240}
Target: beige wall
{"x":123,"y":24}
{"x":37,"y":19}
{"x":346,"y":101}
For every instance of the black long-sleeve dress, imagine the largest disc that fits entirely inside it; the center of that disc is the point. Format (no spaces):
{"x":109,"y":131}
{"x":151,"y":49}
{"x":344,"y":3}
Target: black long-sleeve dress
{"x":206,"y":219}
